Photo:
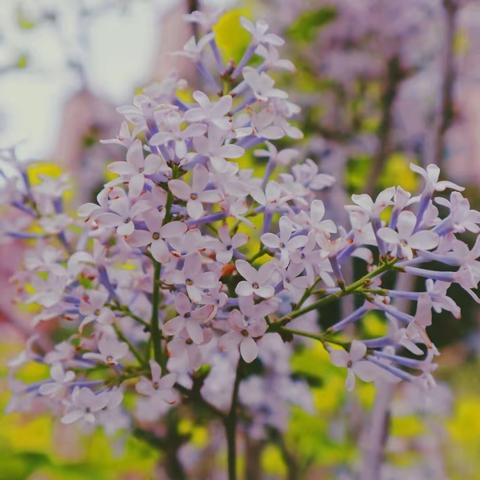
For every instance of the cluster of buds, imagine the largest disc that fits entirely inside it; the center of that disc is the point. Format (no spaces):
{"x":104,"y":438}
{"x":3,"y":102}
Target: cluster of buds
{"x":188,"y":268}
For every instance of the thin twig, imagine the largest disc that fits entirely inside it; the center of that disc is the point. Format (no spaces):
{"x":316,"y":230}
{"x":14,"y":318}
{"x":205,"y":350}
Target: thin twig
{"x":230,"y":424}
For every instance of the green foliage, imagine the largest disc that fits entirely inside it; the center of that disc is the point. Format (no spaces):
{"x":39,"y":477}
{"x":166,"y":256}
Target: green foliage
{"x":357,"y":171}
{"x":306,"y":26}
{"x":395,"y":172}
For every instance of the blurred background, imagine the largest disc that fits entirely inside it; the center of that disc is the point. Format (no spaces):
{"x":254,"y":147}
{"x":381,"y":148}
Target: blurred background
{"x":381,"y":83}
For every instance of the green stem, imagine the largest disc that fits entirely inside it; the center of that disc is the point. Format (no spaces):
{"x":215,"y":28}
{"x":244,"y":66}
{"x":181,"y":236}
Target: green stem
{"x":132,"y":348}
{"x":127,"y":312}
{"x":168,"y":208}
{"x":154,"y":323}
{"x":334,"y":296}
{"x":230,"y":424}
{"x":321,"y":338}
{"x":309,"y":291}
{"x":156,"y":334}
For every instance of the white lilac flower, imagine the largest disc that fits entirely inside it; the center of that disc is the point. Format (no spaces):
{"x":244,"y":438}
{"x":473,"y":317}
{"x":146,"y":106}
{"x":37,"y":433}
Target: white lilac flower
{"x":354,"y":361}
{"x":217,"y":149}
{"x":193,"y":49}
{"x":259,"y":33}
{"x":314,"y":219}
{"x":93,"y":309}
{"x":431,"y":175}
{"x":462,"y":218}
{"x":278,"y":157}
{"x":185,"y":351}
{"x":59,"y":383}
{"x":374,"y":207}
{"x":272,"y":59}
{"x":256,"y":282}
{"x":262,"y":85}
{"x":121,"y":216}
{"x":110,"y":351}
{"x":136,"y":167}
{"x":406,"y":238}
{"x":243,"y":334}
{"x":46,"y":259}
{"x":157,"y":235}
{"x":225,"y":246}
{"x":189,"y":318}
{"x":417,"y":328}
{"x":197,"y":193}
{"x":158,"y":387}
{"x":50,"y":291}
{"x":171,"y":129}
{"x":84,"y":405}
{"x":63,"y":352}
{"x":286,"y":242}
{"x":439,"y":298}
{"x":204,"y":18}
{"x":193,"y":277}
{"x":214,"y":113}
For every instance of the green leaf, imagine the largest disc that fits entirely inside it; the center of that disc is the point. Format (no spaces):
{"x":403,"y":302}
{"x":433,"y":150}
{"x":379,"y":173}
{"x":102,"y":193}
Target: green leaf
{"x":306,"y":25}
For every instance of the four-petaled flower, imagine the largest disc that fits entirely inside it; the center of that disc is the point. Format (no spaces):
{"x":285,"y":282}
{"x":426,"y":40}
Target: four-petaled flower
{"x":285,"y":241}
{"x":262,"y":85}
{"x":196,"y":281}
{"x":121,"y":215}
{"x":85,"y":405}
{"x":157,"y":235}
{"x":61,"y":380}
{"x":136,"y":168}
{"x":211,"y":112}
{"x":110,"y":351}
{"x":353,"y":361}
{"x":188,"y":318}
{"x":196,"y":194}
{"x":243,"y":334}
{"x":158,"y":387}
{"x":406,"y":238}
{"x":258,"y":282}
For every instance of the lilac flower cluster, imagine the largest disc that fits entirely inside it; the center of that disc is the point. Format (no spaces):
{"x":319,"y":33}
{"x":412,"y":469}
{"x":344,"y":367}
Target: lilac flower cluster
{"x":188,"y":268}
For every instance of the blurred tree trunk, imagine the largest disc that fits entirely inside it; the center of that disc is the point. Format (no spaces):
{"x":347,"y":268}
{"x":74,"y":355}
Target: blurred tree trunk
{"x":393,"y":78}
{"x":253,"y":454}
{"x":446,"y":115}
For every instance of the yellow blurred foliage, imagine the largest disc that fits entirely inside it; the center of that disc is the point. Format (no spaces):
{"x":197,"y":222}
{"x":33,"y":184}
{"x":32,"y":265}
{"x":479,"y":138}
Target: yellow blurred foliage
{"x":397,"y":172}
{"x":37,"y":170}
{"x":232,"y":39}
{"x":406,"y":426}
{"x":464,"y":426}
{"x":374,"y":325}
{"x":272,"y":462}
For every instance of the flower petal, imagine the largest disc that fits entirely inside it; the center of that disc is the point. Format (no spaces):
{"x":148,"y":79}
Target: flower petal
{"x":248,"y":349}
